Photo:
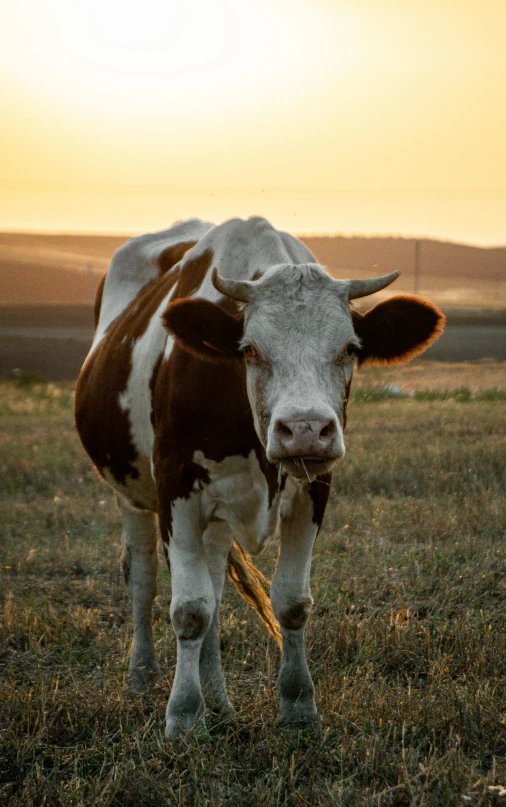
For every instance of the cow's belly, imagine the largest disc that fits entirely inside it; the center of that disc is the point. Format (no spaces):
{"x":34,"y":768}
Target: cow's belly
{"x":238,"y":493}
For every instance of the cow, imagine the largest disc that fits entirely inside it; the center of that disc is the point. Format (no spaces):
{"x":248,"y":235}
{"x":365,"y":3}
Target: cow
{"x":213,"y":401}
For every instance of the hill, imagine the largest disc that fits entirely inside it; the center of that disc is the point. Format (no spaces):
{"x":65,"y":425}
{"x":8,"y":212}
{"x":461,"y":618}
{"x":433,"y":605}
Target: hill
{"x":451,"y":274}
{"x":43,"y":269}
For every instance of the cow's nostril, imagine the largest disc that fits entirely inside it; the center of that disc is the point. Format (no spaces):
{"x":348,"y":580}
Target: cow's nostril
{"x":328,"y":430}
{"x":284,"y":429}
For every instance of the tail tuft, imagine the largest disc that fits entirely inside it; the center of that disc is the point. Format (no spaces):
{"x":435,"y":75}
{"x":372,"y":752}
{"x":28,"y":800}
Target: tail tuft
{"x":249,"y":582}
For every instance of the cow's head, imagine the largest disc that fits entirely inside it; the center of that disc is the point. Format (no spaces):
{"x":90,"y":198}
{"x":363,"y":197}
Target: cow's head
{"x":300,"y":340}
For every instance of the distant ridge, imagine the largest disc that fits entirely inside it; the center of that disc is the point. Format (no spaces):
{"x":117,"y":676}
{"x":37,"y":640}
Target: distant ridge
{"x":44,"y":269}
{"x":441,"y":258}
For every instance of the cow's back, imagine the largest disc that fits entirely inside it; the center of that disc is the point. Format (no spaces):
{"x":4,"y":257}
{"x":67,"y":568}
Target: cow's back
{"x":243,"y":250}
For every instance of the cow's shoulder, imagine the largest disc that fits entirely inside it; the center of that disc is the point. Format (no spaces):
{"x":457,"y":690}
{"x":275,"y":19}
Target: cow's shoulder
{"x":297,"y":251}
{"x":140,"y":261}
{"x":242,"y":249}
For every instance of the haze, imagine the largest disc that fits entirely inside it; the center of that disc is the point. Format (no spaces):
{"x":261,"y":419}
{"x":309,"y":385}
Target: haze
{"x":374,"y":117}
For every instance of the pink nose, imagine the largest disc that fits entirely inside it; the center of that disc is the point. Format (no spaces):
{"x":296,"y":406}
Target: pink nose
{"x":306,"y":438}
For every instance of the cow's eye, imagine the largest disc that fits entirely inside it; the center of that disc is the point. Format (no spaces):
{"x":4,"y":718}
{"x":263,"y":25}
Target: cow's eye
{"x":250,"y":353}
{"x":349,"y":351}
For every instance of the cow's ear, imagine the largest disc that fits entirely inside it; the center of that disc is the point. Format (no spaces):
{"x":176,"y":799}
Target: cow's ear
{"x":204,"y":329}
{"x":397,"y":330}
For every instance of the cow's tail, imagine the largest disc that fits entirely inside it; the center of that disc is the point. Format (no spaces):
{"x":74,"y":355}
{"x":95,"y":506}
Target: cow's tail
{"x":250,"y":582}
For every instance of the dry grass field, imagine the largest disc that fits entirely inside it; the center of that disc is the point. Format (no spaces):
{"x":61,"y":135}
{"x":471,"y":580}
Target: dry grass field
{"x":407,"y":641}
{"x":434,"y":378}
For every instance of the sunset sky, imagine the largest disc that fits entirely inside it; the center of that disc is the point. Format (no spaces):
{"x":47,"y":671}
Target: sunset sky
{"x":375,"y":116}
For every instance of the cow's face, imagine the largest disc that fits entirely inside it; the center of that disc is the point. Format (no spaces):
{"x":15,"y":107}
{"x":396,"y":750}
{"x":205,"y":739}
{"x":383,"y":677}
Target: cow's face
{"x":299,"y":348}
{"x":299,"y":341}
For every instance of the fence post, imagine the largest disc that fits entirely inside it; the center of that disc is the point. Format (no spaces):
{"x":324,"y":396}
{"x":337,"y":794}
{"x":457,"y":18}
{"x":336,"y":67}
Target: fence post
{"x":417,"y":268}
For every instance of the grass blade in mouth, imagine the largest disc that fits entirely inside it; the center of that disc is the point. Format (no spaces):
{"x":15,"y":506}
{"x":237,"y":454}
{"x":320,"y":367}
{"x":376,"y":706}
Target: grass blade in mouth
{"x":280,"y":473}
{"x":300,"y":462}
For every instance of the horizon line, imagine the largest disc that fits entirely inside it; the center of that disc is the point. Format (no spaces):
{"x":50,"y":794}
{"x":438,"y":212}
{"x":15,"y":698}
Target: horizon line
{"x":329,"y":235}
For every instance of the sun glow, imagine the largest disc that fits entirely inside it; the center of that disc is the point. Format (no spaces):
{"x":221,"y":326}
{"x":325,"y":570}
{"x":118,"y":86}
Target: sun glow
{"x":306,"y":100}
{"x":123,"y":57}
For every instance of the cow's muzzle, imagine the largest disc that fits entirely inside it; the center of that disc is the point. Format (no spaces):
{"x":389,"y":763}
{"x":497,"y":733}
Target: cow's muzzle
{"x":306,"y":438}
{"x":306,"y":446}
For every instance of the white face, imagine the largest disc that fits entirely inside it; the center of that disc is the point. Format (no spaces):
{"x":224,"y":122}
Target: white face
{"x":299,"y":346}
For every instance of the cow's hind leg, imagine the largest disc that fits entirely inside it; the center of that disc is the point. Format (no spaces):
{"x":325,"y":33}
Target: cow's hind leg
{"x":191,"y":610}
{"x":139,"y":561}
{"x":217,"y":542}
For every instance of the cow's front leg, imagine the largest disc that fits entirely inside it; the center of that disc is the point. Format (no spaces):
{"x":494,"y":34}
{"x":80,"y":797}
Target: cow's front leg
{"x":192,"y":608}
{"x":217,"y":542}
{"x":292,"y":601}
{"x":139,"y":562}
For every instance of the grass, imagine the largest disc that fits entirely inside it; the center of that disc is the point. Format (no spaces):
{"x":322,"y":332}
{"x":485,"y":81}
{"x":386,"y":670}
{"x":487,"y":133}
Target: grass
{"x":461,"y":394}
{"x":407,"y":642}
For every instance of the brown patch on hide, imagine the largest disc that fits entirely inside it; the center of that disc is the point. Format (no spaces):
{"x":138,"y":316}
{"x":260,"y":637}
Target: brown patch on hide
{"x":98,"y":302}
{"x":173,"y":254}
{"x":206,"y":405}
{"x":193,"y":273}
{"x":397,"y":329}
{"x":103,"y":426}
{"x":319,"y":492}
{"x":152,"y":383}
{"x":192,"y":477}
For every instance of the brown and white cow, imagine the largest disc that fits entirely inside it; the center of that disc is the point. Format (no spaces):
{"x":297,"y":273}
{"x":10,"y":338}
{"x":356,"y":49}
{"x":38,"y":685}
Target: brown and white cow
{"x":213,"y":400}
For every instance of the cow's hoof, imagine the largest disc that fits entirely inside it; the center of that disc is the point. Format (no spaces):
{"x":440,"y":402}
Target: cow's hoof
{"x":142,"y":675}
{"x":217,"y":701}
{"x":299,"y":714}
{"x":183,"y":714}
{"x":177,"y":727}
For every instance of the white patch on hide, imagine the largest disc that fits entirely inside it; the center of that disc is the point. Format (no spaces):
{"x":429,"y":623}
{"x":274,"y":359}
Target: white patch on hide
{"x":136,"y":399}
{"x":238,"y":494}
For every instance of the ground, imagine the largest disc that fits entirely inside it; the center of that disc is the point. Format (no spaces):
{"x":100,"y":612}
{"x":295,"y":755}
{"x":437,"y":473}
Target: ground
{"x":407,"y":641}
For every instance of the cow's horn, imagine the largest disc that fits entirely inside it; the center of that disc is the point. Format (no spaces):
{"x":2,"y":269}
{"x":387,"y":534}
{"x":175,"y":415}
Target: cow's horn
{"x":361,"y":288}
{"x":237,"y":289}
